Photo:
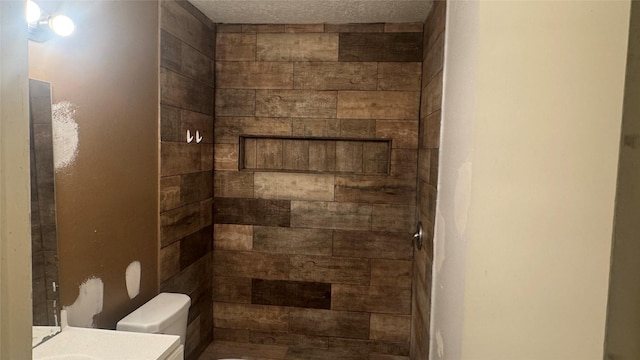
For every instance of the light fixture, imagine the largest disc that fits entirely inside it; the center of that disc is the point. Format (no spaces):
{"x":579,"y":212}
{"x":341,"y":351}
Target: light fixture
{"x":43,"y":27}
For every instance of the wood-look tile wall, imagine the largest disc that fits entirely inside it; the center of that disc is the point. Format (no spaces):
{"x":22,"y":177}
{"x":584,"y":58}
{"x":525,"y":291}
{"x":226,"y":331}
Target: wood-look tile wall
{"x":316,"y":260}
{"x":186,"y":172}
{"x":429,"y":144}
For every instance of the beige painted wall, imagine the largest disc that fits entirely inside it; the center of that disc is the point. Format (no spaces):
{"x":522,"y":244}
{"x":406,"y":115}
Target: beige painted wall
{"x":15,"y":244}
{"x":107,"y":197}
{"x":524,"y":235}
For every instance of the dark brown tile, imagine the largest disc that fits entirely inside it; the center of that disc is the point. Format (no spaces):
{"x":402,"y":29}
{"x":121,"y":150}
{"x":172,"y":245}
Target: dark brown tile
{"x":252,"y":212}
{"x":390,"y":300}
{"x":314,"y":295}
{"x":233,"y":102}
{"x":373,"y":245}
{"x":195,"y":246}
{"x":333,"y":270}
{"x":231,"y":289}
{"x":329,"y":323}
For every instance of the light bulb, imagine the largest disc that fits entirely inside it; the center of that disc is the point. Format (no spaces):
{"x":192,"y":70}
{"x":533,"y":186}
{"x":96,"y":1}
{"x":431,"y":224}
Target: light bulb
{"x":62,"y":25}
{"x":33,"y":12}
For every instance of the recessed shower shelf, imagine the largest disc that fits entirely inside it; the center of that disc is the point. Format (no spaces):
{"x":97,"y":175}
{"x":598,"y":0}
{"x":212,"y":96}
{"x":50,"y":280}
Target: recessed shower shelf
{"x":315,"y":155}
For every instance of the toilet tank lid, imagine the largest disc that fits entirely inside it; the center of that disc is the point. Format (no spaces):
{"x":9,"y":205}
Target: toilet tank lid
{"x":156,"y":314}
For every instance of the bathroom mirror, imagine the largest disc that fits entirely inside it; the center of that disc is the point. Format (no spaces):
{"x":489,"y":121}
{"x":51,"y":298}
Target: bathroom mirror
{"x":44,"y":242}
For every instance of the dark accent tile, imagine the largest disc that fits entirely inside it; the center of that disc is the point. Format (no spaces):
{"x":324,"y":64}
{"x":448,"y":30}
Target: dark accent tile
{"x":291,"y":293}
{"x":252,"y":211}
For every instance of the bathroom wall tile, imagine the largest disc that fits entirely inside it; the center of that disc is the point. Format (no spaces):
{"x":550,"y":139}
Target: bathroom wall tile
{"x":254,"y":75}
{"x":181,"y":91}
{"x":290,"y":339}
{"x":221,"y":349}
{"x":169,"y":192}
{"x":431,"y":131}
{"x":375,"y":189}
{"x":269,"y":154}
{"x":358,"y":128}
{"x":315,"y":295}
{"x":398,"y":218}
{"x":263,"y":28}
{"x":433,"y":175}
{"x":258,"y":317}
{"x":295,"y":155}
{"x":362,"y":46}
{"x":379,"y":27}
{"x":432,"y":96}
{"x":335,"y":75}
{"x":296,"y":103}
{"x":403,"y":132}
{"x":298,"y":28}
{"x":196,"y":65}
{"x":398,"y":47}
{"x":392,"y":272}
{"x":196,"y":245}
{"x":179,"y":158}
{"x":378,"y":104}
{"x":178,"y":223}
{"x":433,"y":63}
{"x":190,"y":279}
{"x":292,"y":241}
{"x":404,"y":163}
{"x":206,"y":157}
{"x":375,"y":157}
{"x":248,"y":264}
{"x":435,"y":24}
{"x":196,"y":187}
{"x":329,"y":269}
{"x":194,"y":121}
{"x":235,"y":47}
{"x":249,"y":149}
{"x":405,"y":47}
{"x":399,"y":76}
{"x":424,"y":164}
{"x":370,"y":346}
{"x":229,"y":28}
{"x":233,"y":102}
{"x":233,"y":184}
{"x":322,"y":156}
{"x":232,"y":289}
{"x":225,"y":157}
{"x":192,"y":336}
{"x":252,"y":211}
{"x":291,"y":186}
{"x":331,"y":215}
{"x":349,"y":157}
{"x":427,"y":195}
{"x":170,"y":123}
{"x":316,"y":127}
{"x":175,"y":19}
{"x":170,"y":51}
{"x":394,"y":328}
{"x":235,"y":335}
{"x":389,"y":357}
{"x":329,"y":323}
{"x":386,"y":245}
{"x":206,"y":212}
{"x":391,"y":300}
{"x":169,"y":261}
{"x":403,"y":27}
{"x":228,"y":129}
{"x":233,"y":237}
{"x":297,"y":47}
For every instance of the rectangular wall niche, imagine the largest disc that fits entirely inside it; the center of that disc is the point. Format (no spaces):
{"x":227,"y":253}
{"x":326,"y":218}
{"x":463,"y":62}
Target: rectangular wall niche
{"x":315,"y":155}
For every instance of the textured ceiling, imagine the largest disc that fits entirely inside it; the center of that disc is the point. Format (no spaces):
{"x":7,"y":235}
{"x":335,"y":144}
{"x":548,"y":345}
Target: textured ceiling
{"x":314,"y":11}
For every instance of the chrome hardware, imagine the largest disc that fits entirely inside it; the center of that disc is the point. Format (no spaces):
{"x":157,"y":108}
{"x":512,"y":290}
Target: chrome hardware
{"x":417,"y":236}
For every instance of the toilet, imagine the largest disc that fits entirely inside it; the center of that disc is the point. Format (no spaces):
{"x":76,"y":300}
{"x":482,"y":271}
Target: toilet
{"x":167,"y":313}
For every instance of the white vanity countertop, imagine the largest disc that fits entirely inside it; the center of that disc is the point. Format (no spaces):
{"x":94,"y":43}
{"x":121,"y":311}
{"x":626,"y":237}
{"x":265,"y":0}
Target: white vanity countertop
{"x":81,"y":343}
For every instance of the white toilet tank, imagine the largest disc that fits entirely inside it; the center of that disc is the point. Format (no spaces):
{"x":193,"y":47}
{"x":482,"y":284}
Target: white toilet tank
{"x":167,"y":313}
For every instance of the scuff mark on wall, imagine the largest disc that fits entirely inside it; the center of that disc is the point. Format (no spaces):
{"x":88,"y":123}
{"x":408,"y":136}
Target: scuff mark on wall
{"x":88,"y":304}
{"x":132,"y":278}
{"x":65,"y":134}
